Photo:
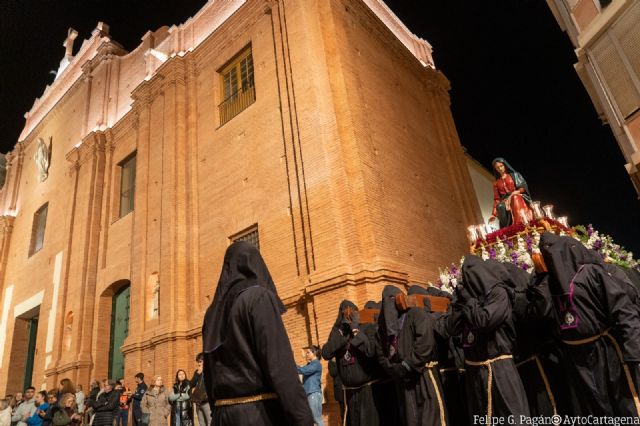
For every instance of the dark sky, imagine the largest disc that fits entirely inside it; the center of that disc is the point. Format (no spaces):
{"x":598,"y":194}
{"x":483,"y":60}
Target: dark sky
{"x":514,"y":92}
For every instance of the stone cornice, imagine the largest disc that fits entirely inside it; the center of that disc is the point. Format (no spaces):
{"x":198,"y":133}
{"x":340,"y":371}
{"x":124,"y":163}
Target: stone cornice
{"x":371,"y":20}
{"x":418,"y":47}
{"x":93,"y":144}
{"x":66,"y":80}
{"x":128,"y":123}
{"x":74,"y":365}
{"x":158,"y":339}
{"x":324,"y":283}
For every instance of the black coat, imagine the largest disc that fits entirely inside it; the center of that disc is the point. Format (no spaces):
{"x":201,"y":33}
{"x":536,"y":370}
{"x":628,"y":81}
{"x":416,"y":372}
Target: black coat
{"x":404,"y":358}
{"x":355,"y":359}
{"x":104,"y":407}
{"x":254,"y":358}
{"x":181,"y":409}
{"x":585,"y":301}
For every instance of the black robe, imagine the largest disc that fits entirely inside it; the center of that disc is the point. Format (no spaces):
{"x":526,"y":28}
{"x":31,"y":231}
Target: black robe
{"x":337,"y":386}
{"x":536,"y":352}
{"x":483,"y":315}
{"x":450,"y":361}
{"x":624,"y":277}
{"x":247,"y":351}
{"x":384,"y":393}
{"x":586,"y":301}
{"x":355,"y":358}
{"x":417,"y":395}
{"x":451,"y":369}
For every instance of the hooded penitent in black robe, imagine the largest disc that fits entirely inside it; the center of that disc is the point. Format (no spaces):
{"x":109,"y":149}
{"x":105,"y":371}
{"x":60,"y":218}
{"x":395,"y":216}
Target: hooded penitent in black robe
{"x":536,"y":352}
{"x":384,"y":393}
{"x":483,"y":314}
{"x":405,"y":345}
{"x":587,"y":302}
{"x":450,"y":363}
{"x":355,"y":358}
{"x":247,"y":351}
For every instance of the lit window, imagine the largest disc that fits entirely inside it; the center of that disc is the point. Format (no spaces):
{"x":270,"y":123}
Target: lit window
{"x":127,"y":184}
{"x":238,"y":89}
{"x":37,"y":230}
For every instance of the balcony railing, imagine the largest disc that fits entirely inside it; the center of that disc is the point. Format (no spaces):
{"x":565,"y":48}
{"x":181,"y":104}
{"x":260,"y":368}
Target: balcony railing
{"x":236,"y":103}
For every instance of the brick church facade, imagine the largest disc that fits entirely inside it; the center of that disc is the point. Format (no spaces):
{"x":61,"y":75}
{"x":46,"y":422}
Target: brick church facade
{"x":319,"y":130}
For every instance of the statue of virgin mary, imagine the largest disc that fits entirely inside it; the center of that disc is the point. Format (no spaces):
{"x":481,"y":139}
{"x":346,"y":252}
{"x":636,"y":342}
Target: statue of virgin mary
{"x":511,"y":198}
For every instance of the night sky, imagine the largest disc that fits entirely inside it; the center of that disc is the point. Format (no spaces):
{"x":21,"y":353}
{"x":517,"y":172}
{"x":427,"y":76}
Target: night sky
{"x":514,"y":92}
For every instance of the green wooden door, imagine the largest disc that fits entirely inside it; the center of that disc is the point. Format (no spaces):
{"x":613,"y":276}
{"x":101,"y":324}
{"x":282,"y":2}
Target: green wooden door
{"x":119,"y":332}
{"x":32,"y":331}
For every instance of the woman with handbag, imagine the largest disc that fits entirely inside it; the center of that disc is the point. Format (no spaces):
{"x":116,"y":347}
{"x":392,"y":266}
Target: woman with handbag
{"x":155,"y":405}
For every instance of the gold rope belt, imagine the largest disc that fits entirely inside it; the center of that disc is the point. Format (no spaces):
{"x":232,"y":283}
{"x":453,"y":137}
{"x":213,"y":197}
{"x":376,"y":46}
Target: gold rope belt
{"x":450,"y":369}
{"x":344,"y":394}
{"x":430,"y":366}
{"x":245,"y":399}
{"x":487,"y":364}
{"x":627,"y":373}
{"x":552,"y":400}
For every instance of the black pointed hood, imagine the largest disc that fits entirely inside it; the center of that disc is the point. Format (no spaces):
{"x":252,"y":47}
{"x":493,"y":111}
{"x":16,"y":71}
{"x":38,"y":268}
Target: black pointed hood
{"x":388,"y":320}
{"x":564,"y":256}
{"x":243,"y":267}
{"x":481,"y":276}
{"x":345,"y":303}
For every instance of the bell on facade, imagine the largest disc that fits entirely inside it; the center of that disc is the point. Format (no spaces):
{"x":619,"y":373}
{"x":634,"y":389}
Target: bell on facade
{"x":548,"y":211}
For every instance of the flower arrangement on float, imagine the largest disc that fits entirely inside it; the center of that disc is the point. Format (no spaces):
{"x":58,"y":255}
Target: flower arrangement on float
{"x":513,"y":232}
{"x":603,"y":244}
{"x":517,"y":243}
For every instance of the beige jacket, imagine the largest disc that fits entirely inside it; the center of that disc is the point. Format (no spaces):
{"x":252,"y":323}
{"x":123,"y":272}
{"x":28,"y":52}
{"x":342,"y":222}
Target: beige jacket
{"x":155,"y":402}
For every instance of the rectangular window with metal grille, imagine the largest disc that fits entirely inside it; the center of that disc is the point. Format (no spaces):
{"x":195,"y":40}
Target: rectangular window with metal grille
{"x":127,"y":184}
{"x":38,"y":228}
{"x":238,"y":88}
{"x":250,"y":235}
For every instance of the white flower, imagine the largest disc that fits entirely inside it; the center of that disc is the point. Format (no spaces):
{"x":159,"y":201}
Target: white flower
{"x":485,"y":254}
{"x":444,"y":278}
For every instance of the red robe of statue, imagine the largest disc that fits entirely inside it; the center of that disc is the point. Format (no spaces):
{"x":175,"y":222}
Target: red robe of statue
{"x":520,"y":211}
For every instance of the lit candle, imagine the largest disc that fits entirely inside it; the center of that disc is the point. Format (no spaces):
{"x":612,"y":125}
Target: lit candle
{"x":548,"y":211}
{"x":481,"y":231}
{"x":537,"y":211}
{"x":564,"y":221}
{"x":472,"y":234}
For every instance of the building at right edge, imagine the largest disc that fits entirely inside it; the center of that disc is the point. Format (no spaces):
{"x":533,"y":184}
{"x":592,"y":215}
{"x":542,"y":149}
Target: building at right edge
{"x":606,"y":35}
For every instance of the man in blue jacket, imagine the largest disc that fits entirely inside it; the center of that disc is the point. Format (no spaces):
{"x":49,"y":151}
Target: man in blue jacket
{"x":42,"y":406}
{"x":312,"y":376}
